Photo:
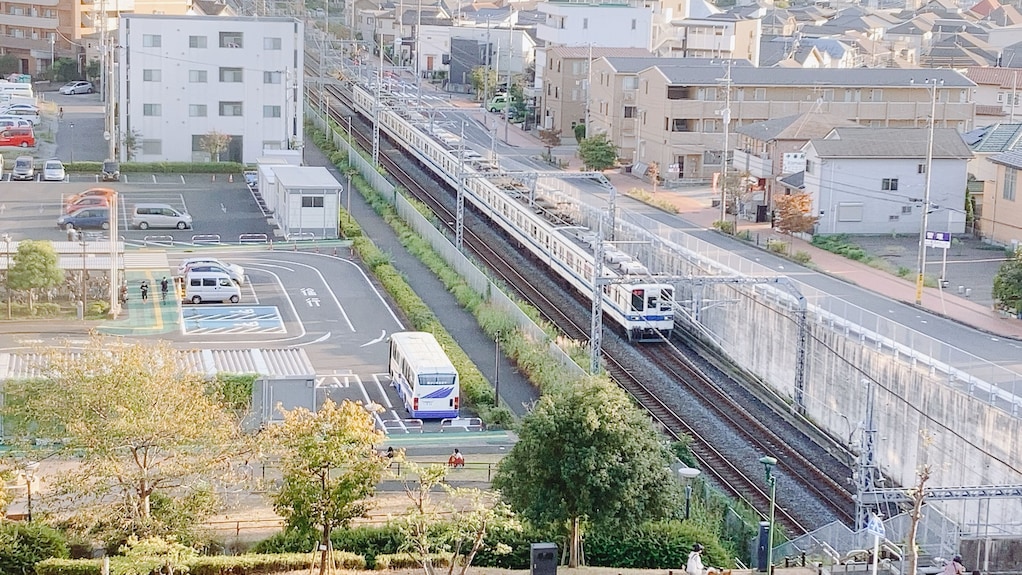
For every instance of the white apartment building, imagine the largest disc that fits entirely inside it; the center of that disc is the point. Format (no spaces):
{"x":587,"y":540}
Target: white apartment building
{"x":183,"y":77}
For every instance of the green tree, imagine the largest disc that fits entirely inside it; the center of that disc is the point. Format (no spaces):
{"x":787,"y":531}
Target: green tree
{"x":92,"y":69}
{"x":65,"y":70}
{"x":586,"y":455}
{"x":579,"y":131}
{"x":214,"y":143}
{"x":137,"y":424}
{"x":455,"y":524}
{"x":329,"y":467}
{"x":483,"y":83}
{"x":598,"y":152}
{"x":35,"y":266}
{"x":1008,"y":283}
{"x":22,"y":545}
{"x":132,"y":143}
{"x":551,"y":139}
{"x":9,"y":64}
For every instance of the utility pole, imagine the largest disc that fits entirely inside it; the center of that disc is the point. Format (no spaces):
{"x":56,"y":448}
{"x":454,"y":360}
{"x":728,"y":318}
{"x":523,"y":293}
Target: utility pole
{"x":418,"y":58}
{"x":596,"y":327}
{"x":510,"y":45}
{"x":486,"y":74}
{"x":589,"y":86}
{"x":924,"y":219}
{"x":726,"y":118}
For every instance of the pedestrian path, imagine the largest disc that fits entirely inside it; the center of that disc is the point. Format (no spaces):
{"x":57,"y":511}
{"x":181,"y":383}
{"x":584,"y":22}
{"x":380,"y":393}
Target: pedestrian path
{"x":146,"y":316}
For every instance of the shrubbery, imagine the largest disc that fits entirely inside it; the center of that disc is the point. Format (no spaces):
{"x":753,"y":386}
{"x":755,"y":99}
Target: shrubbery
{"x":22,"y":545}
{"x":162,"y":167}
{"x":249,"y":564}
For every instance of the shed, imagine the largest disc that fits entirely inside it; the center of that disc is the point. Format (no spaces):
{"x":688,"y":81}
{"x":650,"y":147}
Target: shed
{"x":267,"y":181}
{"x":306,"y":202}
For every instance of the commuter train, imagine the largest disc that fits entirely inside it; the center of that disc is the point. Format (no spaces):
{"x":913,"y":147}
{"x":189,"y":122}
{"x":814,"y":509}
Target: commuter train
{"x":643,"y":309}
{"x":423,"y":375}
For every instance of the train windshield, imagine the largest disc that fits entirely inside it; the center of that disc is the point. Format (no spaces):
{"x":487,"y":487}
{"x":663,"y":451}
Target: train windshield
{"x":443,"y":379}
{"x":637,"y":299}
{"x":666,"y":299}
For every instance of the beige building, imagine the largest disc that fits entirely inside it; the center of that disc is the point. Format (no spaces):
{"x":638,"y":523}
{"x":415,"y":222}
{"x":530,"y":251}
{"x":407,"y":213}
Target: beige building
{"x":1000,"y":217}
{"x":678,"y":105}
{"x":563,"y":99}
{"x":716,"y":36}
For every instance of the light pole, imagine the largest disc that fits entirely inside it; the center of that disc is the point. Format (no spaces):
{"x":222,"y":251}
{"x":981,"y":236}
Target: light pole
{"x":7,"y":270}
{"x":924,"y":220}
{"x":768,"y":466}
{"x":72,"y":124}
{"x":496,"y":370}
{"x":725,"y":116}
{"x":30,"y":469}
{"x":687,"y":474}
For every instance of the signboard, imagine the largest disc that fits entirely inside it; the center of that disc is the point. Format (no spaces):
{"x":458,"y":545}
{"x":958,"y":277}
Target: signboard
{"x":875,"y":525}
{"x":793,"y":162}
{"x":674,"y":169}
{"x":940,"y":240}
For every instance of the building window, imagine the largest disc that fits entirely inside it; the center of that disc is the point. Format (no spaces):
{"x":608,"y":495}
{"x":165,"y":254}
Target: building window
{"x":232,"y":75}
{"x":1000,"y":97}
{"x":679,"y":93}
{"x":312,"y":201}
{"x":231,"y":40}
{"x":230,"y":109}
{"x":893,"y":218}
{"x":920,"y":168}
{"x":152,"y":75}
{"x":759,"y":94}
{"x":271,"y":111}
{"x":585,"y":23}
{"x":630,"y":82}
{"x":197,"y":76}
{"x":196,"y":41}
{"x":634,"y":23}
{"x":197,"y":110}
{"x":152,"y":40}
{"x":630,"y":112}
{"x":906,"y":210}
{"x":271,"y":145}
{"x":1010,"y":177}
{"x":271,"y":77}
{"x":680,"y":125}
{"x":809,"y":166}
{"x":889,"y":185}
{"x":271,"y":43}
{"x":152,"y":147}
{"x":151,"y":109}
{"x":850,"y":212}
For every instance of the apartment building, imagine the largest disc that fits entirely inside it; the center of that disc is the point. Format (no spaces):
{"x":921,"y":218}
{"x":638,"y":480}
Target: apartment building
{"x":1001,"y":215}
{"x":715,"y":36}
{"x":680,"y":103}
{"x":36,"y":33}
{"x":564,"y":95}
{"x":190,"y":75}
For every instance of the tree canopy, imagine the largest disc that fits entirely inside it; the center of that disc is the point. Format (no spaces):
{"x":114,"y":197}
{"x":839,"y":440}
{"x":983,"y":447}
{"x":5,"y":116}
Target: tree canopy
{"x":598,"y":152}
{"x":148,"y":440}
{"x":214,"y":143}
{"x":794,"y":214}
{"x":34,"y":266}
{"x":586,"y":454}
{"x":329,"y":467}
{"x":1008,"y":283}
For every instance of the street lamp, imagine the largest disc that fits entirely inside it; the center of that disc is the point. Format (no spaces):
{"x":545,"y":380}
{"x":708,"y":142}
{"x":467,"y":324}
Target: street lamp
{"x":932,"y":84}
{"x":768,"y":466}
{"x":687,"y":474}
{"x":7,"y":270}
{"x":30,"y":469}
{"x":496,"y":370}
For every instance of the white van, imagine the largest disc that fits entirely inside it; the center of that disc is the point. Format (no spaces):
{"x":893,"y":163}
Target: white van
{"x":16,"y":89}
{"x":210,"y":286}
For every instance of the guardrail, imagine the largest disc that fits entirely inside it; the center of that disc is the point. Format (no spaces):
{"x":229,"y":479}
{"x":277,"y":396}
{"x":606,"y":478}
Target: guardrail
{"x":300,"y":237}
{"x":253,"y":239}
{"x":461,"y":424}
{"x":206,"y":239}
{"x":159,"y":241}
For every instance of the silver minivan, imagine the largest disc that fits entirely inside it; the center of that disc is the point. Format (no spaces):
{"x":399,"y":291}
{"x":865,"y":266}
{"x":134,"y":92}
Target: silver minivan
{"x":146,"y":216}
{"x":210,"y":286}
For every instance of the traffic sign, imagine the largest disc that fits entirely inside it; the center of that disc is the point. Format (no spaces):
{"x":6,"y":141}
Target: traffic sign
{"x":875,"y":525}
{"x":940,"y":240}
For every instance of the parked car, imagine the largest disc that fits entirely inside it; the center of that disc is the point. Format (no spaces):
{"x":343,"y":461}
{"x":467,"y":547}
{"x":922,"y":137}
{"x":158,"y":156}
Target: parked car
{"x":499,"y":102}
{"x":19,"y":107}
{"x":24,"y":168}
{"x":111,"y":171}
{"x":25,"y":113}
{"x":87,"y":202}
{"x":14,"y":122}
{"x":91,"y":192}
{"x":146,"y":216}
{"x":86,"y":218}
{"x":78,"y":87}
{"x":17,"y":137}
{"x":236,"y":272}
{"x":53,"y":171}
{"x":252,"y":178}
{"x":210,"y":286}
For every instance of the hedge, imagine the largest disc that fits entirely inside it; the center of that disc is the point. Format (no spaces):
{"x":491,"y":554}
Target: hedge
{"x":409,"y":561}
{"x":161,"y":167}
{"x":250,"y":564}
{"x":22,"y":545}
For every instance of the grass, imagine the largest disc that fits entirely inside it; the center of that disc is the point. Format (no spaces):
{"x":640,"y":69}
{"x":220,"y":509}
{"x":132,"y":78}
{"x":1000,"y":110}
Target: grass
{"x":652,"y":200}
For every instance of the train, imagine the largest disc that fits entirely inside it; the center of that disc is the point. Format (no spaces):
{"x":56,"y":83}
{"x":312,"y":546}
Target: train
{"x":643,"y":308}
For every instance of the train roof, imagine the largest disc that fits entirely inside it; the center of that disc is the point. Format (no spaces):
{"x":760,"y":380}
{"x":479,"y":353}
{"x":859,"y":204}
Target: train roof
{"x":422,"y":351}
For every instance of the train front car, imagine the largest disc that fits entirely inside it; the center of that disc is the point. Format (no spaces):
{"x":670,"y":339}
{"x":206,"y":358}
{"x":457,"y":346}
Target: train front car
{"x":651,"y":312}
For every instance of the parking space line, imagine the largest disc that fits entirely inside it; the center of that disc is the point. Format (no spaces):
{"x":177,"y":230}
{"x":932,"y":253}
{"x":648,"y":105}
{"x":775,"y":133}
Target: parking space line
{"x":383,"y":391}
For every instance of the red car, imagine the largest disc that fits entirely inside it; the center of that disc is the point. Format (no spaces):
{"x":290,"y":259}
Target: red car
{"x":87,"y":202}
{"x":105,"y":193}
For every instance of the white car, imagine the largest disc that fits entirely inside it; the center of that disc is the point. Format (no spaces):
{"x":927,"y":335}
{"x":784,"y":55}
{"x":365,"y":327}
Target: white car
{"x":19,"y":108}
{"x":78,"y":87}
{"x":236,"y":272}
{"x":53,"y":171}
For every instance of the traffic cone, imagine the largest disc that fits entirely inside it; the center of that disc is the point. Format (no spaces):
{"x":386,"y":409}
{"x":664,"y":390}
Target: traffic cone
{"x":230,"y":179}
{"x":214,"y":178}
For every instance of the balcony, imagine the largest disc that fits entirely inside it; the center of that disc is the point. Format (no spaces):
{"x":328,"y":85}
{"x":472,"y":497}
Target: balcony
{"x":758,"y":167}
{"x":27,"y":21}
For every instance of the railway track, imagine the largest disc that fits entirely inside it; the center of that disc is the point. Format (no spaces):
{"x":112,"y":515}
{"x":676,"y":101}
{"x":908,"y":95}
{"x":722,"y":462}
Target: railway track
{"x":741,"y":483}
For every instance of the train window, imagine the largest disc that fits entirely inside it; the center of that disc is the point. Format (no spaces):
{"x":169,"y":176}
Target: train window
{"x":651,"y":302}
{"x":666,"y":299}
{"x":637,"y":297}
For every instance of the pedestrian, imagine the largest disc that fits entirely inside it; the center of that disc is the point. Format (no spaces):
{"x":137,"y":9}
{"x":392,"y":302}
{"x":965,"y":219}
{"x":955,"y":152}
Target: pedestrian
{"x":695,"y":561}
{"x":390,"y":452}
{"x":144,"y":288}
{"x":164,"y":288}
{"x":60,"y":113}
{"x":124,"y":294}
{"x":954,"y":566}
{"x":456,"y":459}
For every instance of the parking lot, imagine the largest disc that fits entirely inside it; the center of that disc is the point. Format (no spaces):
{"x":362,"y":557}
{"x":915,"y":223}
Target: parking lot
{"x":221,"y":210}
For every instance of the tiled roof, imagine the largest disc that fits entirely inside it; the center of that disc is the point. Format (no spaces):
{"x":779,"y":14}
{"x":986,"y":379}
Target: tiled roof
{"x":891,"y":143}
{"x":985,"y":7}
{"x":632,"y":65}
{"x":823,"y":77}
{"x":989,"y":110}
{"x":582,"y":52}
{"x":989,"y":76}
{"x":997,"y":138}
{"x":1012,"y":159}
{"x":796,"y":127}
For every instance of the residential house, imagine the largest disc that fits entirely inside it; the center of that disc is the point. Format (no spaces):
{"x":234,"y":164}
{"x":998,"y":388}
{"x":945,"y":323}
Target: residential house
{"x":873,"y":180}
{"x":564,"y":97}
{"x":993,"y":213}
{"x":190,"y":75}
{"x":998,"y":93}
{"x":778,"y":22}
{"x":679,"y":104}
{"x":726,"y":35}
{"x":772,"y":149}
{"x":1001,"y":216}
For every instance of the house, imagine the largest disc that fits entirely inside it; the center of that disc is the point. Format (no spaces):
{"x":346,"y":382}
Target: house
{"x":873,"y":180}
{"x":726,"y":35}
{"x":994,"y":214}
{"x":998,"y":93}
{"x":1001,"y":216}
{"x":192,"y":75}
{"x":679,"y":104}
{"x":770,"y":150}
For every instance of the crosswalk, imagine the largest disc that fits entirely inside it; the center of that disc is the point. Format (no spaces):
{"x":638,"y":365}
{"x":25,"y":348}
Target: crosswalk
{"x":373,"y":389}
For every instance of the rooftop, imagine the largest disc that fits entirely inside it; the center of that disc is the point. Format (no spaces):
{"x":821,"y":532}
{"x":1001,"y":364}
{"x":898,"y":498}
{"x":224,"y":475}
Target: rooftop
{"x":796,"y":127}
{"x":892,"y":143}
{"x":994,"y":138}
{"x":680,"y":74}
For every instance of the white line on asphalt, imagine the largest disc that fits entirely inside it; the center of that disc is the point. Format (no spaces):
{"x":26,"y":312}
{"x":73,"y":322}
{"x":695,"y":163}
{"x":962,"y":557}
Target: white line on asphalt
{"x":326,"y":284}
{"x":383,"y":391}
{"x":383,"y":335}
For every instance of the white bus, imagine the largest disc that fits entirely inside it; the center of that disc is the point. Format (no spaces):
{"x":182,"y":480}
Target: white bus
{"x":424,"y":376}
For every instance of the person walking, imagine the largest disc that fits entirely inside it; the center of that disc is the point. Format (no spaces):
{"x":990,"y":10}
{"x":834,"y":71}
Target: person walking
{"x":954,"y":566}
{"x":695,"y":561}
{"x":144,"y":288}
{"x":164,"y":288}
{"x":60,"y":114}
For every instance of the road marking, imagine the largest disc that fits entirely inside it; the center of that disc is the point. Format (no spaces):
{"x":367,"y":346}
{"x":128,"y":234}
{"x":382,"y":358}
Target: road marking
{"x":383,"y":335}
{"x":383,"y":391}
{"x":333,"y":296}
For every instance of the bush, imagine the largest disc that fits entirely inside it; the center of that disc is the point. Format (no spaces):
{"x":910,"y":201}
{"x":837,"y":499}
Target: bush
{"x":22,"y":545}
{"x":655,"y":545}
{"x":725,"y":226}
{"x":288,"y":541}
{"x":802,"y":257}
{"x":249,"y":564}
{"x":409,"y":561}
{"x":369,"y":541}
{"x":162,"y":167}
{"x":778,"y":247}
{"x":70,"y":567}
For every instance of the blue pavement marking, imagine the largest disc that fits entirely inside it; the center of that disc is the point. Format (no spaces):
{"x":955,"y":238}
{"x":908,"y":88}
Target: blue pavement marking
{"x":219,"y":319}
